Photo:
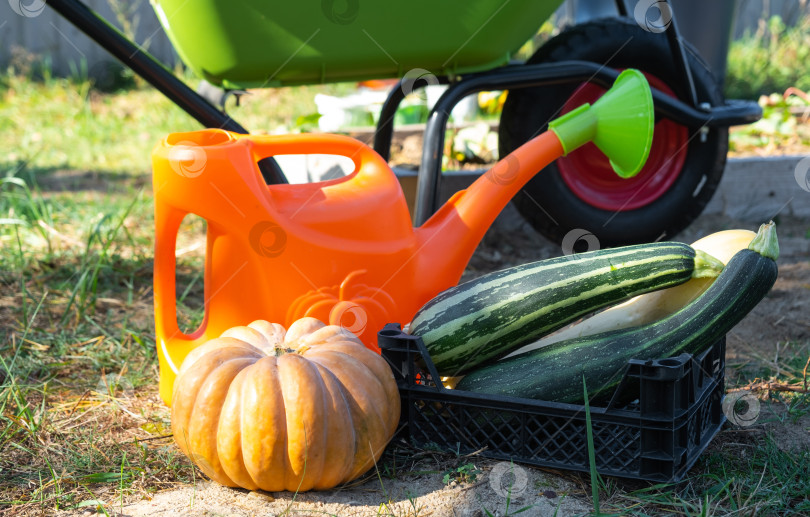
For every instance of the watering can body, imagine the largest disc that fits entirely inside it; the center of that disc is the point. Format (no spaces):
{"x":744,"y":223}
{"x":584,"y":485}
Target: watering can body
{"x":343,"y":251}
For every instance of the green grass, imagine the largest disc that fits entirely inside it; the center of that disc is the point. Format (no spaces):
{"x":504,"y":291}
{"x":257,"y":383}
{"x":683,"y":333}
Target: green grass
{"x":79,"y":419}
{"x":66,"y":124}
{"x":81,"y":424}
{"x":754,"y":477}
{"x":770,"y":59}
{"x":778,"y":128}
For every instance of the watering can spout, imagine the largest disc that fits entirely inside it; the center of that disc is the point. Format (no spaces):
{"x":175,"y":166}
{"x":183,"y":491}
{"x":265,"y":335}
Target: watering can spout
{"x":620,"y":123}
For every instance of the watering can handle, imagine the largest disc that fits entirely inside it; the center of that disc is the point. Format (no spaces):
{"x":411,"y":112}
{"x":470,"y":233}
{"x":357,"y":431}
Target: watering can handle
{"x":265,"y":146}
{"x":173,"y":343}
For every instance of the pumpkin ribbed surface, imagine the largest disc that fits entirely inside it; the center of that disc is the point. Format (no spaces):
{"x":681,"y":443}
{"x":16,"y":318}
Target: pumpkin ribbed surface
{"x":304,"y":409}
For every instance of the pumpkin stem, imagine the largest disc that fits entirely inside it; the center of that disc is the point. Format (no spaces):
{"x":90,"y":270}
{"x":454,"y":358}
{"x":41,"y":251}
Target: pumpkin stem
{"x":278,"y":351}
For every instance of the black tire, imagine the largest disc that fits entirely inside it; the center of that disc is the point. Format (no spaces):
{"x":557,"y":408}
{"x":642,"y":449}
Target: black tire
{"x":549,"y":204}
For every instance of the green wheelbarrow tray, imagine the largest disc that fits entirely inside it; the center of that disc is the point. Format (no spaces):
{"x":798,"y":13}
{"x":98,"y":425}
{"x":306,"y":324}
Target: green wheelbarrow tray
{"x":262,"y":43}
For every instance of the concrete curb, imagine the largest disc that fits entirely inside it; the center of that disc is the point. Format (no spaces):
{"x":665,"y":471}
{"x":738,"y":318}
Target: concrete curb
{"x":757,"y":189}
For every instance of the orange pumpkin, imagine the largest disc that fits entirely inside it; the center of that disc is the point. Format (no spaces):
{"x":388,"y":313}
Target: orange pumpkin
{"x":360,"y":309}
{"x":304,"y":409}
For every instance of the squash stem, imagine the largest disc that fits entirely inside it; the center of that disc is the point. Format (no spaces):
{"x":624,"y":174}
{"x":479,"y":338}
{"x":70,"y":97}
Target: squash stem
{"x":706,"y":266}
{"x":765,"y":243}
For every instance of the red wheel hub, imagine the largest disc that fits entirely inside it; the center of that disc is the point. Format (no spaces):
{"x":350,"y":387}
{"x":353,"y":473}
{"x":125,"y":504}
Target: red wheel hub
{"x":588,"y":174}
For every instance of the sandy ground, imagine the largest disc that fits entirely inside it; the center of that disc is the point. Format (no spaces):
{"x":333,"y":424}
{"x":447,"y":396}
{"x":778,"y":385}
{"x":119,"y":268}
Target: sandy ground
{"x":782,"y":316}
{"x":424,"y":495}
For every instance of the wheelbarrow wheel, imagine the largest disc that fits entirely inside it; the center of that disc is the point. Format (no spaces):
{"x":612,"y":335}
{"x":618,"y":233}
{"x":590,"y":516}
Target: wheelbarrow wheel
{"x":579,"y":194}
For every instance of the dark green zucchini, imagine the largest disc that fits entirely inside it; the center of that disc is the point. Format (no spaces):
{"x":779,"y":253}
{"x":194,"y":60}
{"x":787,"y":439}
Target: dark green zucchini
{"x":488,"y":317}
{"x":555,"y":373}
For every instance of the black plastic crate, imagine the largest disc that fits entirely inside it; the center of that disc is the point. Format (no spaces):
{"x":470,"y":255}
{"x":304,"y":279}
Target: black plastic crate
{"x":675,"y":411}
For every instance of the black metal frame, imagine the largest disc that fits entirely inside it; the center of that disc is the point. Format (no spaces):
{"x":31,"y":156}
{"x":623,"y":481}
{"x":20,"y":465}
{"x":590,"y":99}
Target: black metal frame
{"x":675,"y":47}
{"x":524,"y":76}
{"x":509,"y":77}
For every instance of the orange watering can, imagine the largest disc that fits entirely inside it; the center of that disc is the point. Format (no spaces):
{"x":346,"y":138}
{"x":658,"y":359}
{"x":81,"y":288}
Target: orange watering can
{"x":343,"y":250}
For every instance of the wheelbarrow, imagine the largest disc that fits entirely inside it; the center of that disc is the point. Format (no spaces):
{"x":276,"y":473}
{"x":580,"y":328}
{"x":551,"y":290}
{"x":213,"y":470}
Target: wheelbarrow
{"x":468,"y":45}
{"x":383,"y":277}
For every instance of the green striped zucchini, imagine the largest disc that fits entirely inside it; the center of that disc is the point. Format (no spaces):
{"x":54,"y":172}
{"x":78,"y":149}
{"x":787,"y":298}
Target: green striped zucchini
{"x":555,"y":372}
{"x":488,"y":317}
